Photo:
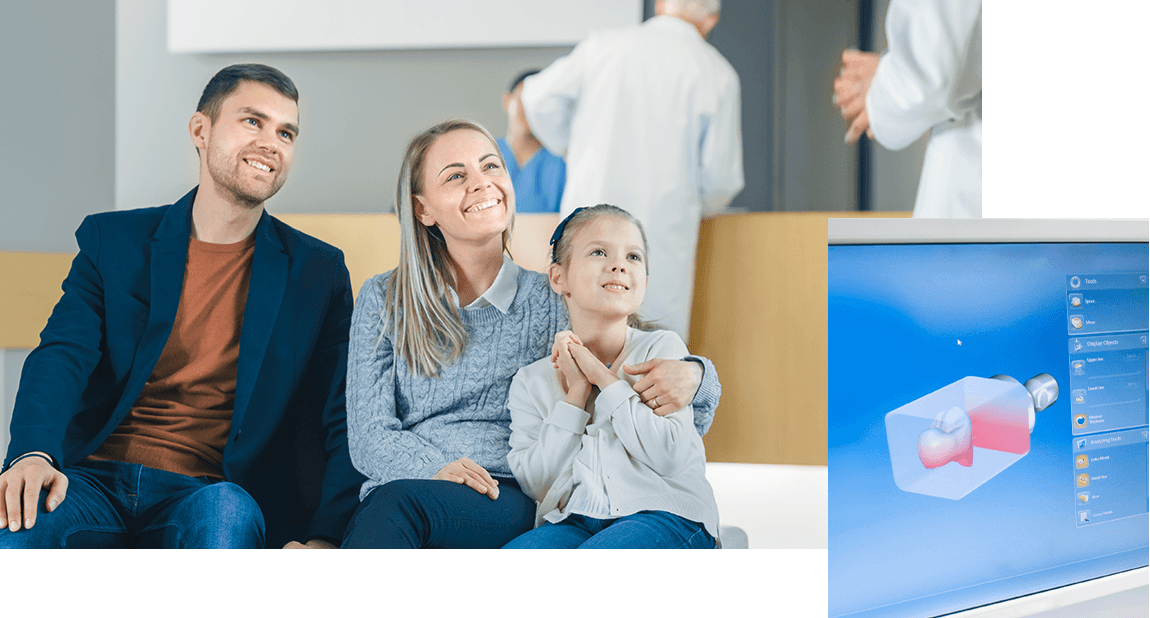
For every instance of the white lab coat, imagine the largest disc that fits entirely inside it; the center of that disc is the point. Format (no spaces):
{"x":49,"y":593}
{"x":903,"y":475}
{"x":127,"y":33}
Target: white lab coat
{"x":931,"y":78}
{"x":649,"y":119}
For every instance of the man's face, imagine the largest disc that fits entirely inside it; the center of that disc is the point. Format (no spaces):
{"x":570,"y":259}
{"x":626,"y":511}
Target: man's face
{"x":247,"y":151}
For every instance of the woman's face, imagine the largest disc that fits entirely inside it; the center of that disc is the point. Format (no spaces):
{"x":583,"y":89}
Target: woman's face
{"x":466,"y":191}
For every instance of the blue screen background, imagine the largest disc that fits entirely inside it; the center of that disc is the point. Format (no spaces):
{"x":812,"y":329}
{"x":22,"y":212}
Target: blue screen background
{"x":896,"y":317}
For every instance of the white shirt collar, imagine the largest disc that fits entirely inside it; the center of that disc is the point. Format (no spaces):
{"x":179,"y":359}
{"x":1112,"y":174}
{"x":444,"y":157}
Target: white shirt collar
{"x":675,"y":23}
{"x":502,"y":290}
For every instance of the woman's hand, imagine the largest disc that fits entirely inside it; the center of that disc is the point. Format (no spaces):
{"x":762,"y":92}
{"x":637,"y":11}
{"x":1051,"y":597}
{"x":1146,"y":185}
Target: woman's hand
{"x":668,"y":385}
{"x":467,"y":472}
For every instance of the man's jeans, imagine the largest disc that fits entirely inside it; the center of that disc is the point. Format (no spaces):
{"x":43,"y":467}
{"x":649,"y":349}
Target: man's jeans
{"x":112,"y":505}
{"x":643,"y":530}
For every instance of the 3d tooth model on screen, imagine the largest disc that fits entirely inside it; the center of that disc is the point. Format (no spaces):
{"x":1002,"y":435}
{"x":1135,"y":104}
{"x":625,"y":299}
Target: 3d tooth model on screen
{"x":953,"y":440}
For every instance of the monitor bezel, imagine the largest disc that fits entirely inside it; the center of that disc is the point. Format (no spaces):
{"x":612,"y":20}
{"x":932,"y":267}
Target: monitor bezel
{"x":901,"y":231}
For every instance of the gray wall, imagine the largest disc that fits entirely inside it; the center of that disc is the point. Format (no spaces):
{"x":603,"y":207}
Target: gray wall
{"x":10,"y":363}
{"x":357,"y":112}
{"x":59,"y":98}
{"x":747,"y":35}
{"x":817,"y":170}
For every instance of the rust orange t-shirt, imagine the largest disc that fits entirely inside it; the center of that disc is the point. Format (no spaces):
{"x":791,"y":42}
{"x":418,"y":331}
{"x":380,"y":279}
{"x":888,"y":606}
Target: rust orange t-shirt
{"x":181,"y":420}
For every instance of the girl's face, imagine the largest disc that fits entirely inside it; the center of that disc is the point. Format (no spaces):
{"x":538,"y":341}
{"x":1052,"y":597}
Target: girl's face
{"x":606,"y":270}
{"x":466,"y":191}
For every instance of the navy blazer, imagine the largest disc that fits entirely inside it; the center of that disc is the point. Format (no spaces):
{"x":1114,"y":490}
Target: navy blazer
{"x":108,"y":330}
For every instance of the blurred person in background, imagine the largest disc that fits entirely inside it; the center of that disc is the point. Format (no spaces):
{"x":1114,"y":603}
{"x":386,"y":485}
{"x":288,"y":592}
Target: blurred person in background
{"x":929,"y":78}
{"x":537,"y":175}
{"x":650,"y":119}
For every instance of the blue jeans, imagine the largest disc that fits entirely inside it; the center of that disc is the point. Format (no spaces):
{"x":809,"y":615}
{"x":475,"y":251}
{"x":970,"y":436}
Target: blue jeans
{"x":115,"y":505}
{"x":643,"y":530}
{"x":428,"y":513}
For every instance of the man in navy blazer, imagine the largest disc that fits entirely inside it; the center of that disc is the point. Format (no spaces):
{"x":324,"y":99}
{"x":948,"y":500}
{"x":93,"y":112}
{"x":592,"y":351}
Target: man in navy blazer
{"x":197,"y":351}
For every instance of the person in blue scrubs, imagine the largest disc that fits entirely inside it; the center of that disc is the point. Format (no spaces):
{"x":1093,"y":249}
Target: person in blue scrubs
{"x":536,"y":174}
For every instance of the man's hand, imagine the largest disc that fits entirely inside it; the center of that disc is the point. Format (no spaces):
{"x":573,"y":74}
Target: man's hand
{"x":312,"y":544}
{"x":669,"y":385}
{"x":20,"y":489}
{"x":851,"y":87}
{"x":467,"y":472}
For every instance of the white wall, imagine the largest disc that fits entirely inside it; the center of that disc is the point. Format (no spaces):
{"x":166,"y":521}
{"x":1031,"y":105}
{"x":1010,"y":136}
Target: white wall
{"x":327,"y":25}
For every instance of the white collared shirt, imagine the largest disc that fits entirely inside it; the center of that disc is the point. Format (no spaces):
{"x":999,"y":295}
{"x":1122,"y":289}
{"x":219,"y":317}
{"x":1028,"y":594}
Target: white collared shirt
{"x":501,"y":292}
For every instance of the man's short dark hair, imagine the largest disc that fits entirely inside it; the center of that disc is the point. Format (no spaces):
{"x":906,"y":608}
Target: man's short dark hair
{"x":228,"y":79}
{"x":522,"y":76}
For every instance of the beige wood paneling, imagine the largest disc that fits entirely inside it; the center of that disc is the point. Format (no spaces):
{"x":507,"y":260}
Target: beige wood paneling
{"x":30,"y":285}
{"x":370,"y":242}
{"x":760,"y":314}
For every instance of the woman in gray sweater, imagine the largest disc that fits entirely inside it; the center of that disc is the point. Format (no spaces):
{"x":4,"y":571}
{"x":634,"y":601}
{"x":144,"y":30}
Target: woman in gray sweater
{"x":434,"y":345}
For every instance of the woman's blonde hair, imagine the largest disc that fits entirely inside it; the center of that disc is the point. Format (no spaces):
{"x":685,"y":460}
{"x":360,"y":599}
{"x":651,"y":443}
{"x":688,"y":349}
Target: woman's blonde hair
{"x":418,"y":313}
{"x":565,"y":234}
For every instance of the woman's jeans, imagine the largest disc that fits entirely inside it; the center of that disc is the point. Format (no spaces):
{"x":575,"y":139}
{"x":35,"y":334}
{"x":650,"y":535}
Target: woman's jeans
{"x":643,"y":530}
{"x":441,"y":514}
{"x":112,"y":505}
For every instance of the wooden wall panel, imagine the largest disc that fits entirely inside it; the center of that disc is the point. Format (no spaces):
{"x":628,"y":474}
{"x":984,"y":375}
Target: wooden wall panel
{"x":760,"y":314}
{"x":29,"y":288}
{"x":370,"y":242}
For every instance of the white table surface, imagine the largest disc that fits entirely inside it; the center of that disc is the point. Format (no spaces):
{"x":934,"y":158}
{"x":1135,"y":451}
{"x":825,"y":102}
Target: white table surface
{"x":778,"y":506}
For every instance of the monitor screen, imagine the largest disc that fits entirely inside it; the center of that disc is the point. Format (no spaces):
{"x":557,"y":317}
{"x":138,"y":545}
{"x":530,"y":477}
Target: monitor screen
{"x":987,"y":410}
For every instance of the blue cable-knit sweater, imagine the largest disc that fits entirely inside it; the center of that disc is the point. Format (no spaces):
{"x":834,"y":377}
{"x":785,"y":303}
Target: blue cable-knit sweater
{"x":407,"y":426}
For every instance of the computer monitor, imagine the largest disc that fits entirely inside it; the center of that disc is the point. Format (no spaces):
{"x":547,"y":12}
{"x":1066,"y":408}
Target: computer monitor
{"x":987,"y":411}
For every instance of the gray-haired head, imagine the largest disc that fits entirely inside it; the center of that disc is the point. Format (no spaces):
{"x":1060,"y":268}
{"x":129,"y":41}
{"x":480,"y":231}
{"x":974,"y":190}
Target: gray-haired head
{"x":702,"y":14}
{"x":692,"y":8}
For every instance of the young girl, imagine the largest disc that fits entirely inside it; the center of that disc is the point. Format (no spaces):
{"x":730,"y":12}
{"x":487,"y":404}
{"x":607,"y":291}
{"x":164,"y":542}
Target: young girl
{"x":434,"y":345}
{"x":607,"y":472}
